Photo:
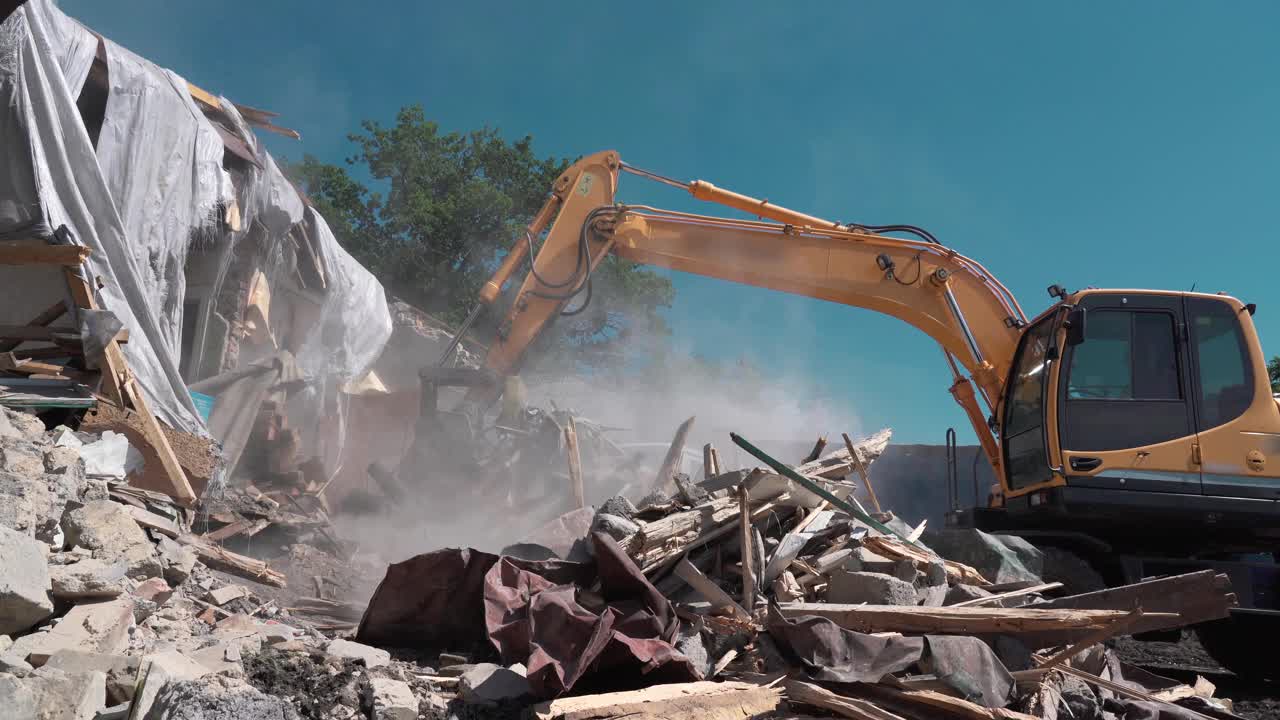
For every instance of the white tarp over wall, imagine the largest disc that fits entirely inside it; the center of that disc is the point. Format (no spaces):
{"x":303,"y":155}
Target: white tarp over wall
{"x":149,"y":191}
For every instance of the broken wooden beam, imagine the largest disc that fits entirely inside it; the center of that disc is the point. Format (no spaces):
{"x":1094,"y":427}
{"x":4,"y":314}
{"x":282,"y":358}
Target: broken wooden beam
{"x":657,"y":540}
{"x":227,"y":561}
{"x":748,"y":544}
{"x":1196,"y":597}
{"x":820,"y":697}
{"x":38,"y":252}
{"x":677,"y":701}
{"x":956,"y":621}
{"x":933,"y":704}
{"x":710,"y":463}
{"x":957,"y":573}
{"x":709,"y":590}
{"x":671,"y":463}
{"x":816,"y":452}
{"x":1043,"y":587}
{"x":839,"y":464}
{"x":575,"y":464}
{"x":855,"y":458}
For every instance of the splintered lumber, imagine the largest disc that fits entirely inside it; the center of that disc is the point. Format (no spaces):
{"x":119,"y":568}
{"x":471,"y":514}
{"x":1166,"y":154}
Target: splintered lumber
{"x":671,"y":463}
{"x":575,"y":464}
{"x":10,"y":363}
{"x":1127,"y":691}
{"x":1094,"y":638}
{"x":1043,"y":587}
{"x":665,"y":559}
{"x":678,"y":701}
{"x":840,"y":463}
{"x":813,"y":487}
{"x":820,"y":697}
{"x":658,"y":540}
{"x":36,"y":252}
{"x":816,"y":452}
{"x":709,"y":591}
{"x":1195,"y":597}
{"x":855,"y":457}
{"x":710,"y":462}
{"x":151,"y":521}
{"x":957,"y":573}
{"x":227,"y":561}
{"x":940,"y":705}
{"x":747,"y":542}
{"x":786,"y":589}
{"x":955,"y":621}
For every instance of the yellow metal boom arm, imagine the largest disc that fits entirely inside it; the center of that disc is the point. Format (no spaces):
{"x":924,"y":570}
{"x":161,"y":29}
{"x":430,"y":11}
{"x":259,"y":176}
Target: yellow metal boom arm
{"x":951,"y":298}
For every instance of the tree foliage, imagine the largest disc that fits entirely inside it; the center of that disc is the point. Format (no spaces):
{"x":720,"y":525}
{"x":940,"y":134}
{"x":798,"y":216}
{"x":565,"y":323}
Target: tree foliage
{"x":1273,"y":372}
{"x":443,"y":209}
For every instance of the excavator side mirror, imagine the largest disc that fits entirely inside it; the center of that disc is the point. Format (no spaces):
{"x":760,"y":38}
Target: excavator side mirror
{"x":1075,"y":325}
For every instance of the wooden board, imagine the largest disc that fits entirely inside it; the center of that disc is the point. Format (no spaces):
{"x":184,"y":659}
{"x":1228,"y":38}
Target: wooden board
{"x":678,"y":701}
{"x":955,"y":621}
{"x":38,"y":252}
{"x":1196,"y":597}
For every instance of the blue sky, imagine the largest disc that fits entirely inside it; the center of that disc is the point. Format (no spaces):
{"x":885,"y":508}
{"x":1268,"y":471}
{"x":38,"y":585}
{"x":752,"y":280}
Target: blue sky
{"x":1108,"y":144}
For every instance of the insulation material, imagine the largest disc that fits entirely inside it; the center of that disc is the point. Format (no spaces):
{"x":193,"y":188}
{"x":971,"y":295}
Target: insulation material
{"x":59,"y":169}
{"x":162,"y":162}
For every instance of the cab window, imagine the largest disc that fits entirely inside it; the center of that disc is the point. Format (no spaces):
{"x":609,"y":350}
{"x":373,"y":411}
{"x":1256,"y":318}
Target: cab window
{"x":1023,"y":434}
{"x":1222,"y":362}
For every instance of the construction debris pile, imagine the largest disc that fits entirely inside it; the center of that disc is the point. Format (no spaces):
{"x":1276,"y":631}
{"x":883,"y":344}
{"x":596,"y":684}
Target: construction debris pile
{"x":774,"y":593}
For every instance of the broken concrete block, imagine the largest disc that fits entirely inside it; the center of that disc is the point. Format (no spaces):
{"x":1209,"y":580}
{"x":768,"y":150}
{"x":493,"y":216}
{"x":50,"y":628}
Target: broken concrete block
{"x":97,"y":627}
{"x":23,"y":459}
{"x":69,"y":695}
{"x":111,"y":532}
{"x":489,"y":684}
{"x":223,"y":595}
{"x":618,"y":505}
{"x":159,"y":670}
{"x":24,"y":582}
{"x":16,"y":697}
{"x":931,"y":585}
{"x":1000,"y":558}
{"x":216,"y":697}
{"x":87,"y":579}
{"x":178,"y":560}
{"x":351,"y":650}
{"x":390,"y":700}
{"x":26,"y":425}
{"x":614,"y":526}
{"x":870,"y":588}
{"x":154,"y":590}
{"x":121,"y":670}
{"x":26,"y":505}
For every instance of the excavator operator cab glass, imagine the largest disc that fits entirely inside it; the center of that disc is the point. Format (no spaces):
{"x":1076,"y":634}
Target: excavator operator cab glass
{"x":1024,"y":413}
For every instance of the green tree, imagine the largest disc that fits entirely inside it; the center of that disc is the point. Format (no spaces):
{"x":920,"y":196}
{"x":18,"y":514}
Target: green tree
{"x":1273,"y":371}
{"x":444,"y":209}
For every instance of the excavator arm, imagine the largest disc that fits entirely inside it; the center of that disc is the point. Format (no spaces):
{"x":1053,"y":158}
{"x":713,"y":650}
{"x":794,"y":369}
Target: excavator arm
{"x":947,"y":296}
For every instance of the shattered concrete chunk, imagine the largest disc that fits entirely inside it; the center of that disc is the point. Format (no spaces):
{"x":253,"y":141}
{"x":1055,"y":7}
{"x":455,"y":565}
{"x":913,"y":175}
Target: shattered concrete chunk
{"x":16,"y":697}
{"x":351,"y":650}
{"x":110,"y":531}
{"x":26,"y":505}
{"x":217,"y":698}
{"x":870,"y":588}
{"x":391,"y":700}
{"x":159,"y":670}
{"x":619,"y":506}
{"x":489,"y":684}
{"x":614,"y":526}
{"x":98,"y":626}
{"x":154,"y":590}
{"x":179,"y":561}
{"x":121,"y":670}
{"x":69,"y":695}
{"x":24,"y":582}
{"x":25,"y":425}
{"x":931,"y":585}
{"x":87,"y":579}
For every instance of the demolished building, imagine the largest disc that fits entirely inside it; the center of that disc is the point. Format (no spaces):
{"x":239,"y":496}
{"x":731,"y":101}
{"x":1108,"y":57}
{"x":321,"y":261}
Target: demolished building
{"x":135,"y":201}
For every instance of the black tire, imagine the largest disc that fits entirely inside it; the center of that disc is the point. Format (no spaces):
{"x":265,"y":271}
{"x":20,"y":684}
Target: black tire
{"x":1242,"y":644}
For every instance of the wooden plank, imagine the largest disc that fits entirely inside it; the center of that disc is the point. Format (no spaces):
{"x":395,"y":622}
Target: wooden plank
{"x":855,"y":458}
{"x":709,"y":591}
{"x":748,"y":545}
{"x":51,"y":313}
{"x":819,"y":697}
{"x":227,"y":561}
{"x":575,"y":464}
{"x":839,"y":464}
{"x":657,"y":540}
{"x":1196,"y":597}
{"x":152,"y":521}
{"x":957,"y":573}
{"x":1093,"y":638}
{"x":939,"y":705}
{"x":677,"y":701}
{"x":954,"y":621}
{"x":10,"y":363}
{"x":710,"y":463}
{"x":1044,"y":587}
{"x":226,"y":531}
{"x":816,"y":452}
{"x":36,"y":252}
{"x":1129,"y":692}
{"x":672,"y":460}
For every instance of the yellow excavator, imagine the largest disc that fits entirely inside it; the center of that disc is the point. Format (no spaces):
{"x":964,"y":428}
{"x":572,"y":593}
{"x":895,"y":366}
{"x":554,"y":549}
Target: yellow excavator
{"x":1136,"y":429}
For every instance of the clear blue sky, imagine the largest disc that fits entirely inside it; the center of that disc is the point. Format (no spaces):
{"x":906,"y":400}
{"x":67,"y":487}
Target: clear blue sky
{"x":1108,"y":144}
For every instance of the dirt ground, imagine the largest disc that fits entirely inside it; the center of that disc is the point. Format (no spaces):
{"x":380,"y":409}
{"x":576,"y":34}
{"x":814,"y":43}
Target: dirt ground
{"x":1185,"y":659}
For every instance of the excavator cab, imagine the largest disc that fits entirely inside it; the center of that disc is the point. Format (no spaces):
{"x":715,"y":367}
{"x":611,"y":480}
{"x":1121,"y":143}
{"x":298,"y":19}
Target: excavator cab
{"x":1140,"y":406}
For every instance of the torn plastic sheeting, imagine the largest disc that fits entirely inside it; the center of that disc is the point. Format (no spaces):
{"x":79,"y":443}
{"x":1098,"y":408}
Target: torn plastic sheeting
{"x":530,"y":612}
{"x":969,"y":666}
{"x":65,"y":178}
{"x":830,"y":653}
{"x":162,"y":162}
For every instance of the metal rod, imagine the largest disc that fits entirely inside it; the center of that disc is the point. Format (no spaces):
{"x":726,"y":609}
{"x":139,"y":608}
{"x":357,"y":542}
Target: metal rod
{"x":653,"y":176}
{"x":817,"y":489}
{"x":462,"y":330}
{"x":964,"y":325}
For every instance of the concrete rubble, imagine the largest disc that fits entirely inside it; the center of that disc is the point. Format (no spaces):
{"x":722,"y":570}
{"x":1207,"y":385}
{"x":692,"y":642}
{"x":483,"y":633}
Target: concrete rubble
{"x":128,"y":605}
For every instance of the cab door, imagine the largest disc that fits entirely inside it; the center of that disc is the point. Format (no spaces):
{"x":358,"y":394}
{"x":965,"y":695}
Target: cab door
{"x":1235,"y":413}
{"x":1125,"y":410}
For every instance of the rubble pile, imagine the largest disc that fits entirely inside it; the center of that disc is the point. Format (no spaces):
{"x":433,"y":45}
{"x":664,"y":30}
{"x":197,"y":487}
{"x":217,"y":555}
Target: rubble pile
{"x":759,"y":592}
